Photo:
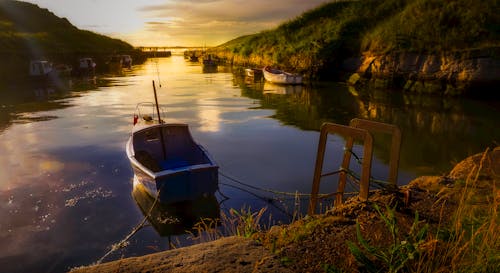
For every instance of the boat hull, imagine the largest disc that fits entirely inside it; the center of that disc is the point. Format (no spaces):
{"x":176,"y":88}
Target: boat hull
{"x":281,"y":77}
{"x":186,"y":172}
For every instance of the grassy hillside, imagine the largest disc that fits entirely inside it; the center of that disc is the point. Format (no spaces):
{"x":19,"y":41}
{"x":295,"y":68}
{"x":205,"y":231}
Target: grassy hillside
{"x":29,"y":32}
{"x":319,"y":39}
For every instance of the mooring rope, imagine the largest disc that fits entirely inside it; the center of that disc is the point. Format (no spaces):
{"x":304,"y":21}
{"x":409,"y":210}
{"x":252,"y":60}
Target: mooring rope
{"x":296,"y":194}
{"x":123,"y":242}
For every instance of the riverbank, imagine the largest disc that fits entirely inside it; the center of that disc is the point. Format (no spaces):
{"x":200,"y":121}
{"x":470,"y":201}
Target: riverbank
{"x":420,"y":46}
{"x":438,"y":223}
{"x":471,"y":72}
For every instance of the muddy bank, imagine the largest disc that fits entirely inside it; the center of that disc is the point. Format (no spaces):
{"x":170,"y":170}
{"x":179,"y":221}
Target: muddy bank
{"x":320,"y":243}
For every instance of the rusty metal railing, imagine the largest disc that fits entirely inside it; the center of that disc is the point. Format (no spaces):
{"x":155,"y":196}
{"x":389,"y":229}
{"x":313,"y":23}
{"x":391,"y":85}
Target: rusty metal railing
{"x":358,"y":129}
{"x":351,"y":133}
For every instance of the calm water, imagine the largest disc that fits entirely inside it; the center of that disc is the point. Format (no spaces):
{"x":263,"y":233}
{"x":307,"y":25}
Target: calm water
{"x":65,"y":182}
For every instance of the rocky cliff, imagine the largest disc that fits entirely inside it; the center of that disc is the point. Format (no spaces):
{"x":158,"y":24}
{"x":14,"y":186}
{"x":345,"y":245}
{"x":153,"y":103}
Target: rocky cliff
{"x":474,"y":72}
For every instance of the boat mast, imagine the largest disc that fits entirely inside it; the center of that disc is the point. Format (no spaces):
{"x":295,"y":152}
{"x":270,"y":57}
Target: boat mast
{"x":160,"y":122}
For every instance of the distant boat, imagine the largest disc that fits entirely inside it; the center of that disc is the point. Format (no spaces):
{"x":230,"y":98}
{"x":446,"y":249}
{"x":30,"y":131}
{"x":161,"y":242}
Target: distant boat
{"x":86,"y":67}
{"x":209,"y":60}
{"x":40,"y":68}
{"x":281,"y":77}
{"x":253,"y":72}
{"x":126,"y":61}
{"x":166,"y":159}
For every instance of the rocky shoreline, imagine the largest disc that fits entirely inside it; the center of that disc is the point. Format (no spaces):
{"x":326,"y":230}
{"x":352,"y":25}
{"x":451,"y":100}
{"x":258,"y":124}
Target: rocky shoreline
{"x":447,"y":73}
{"x":319,"y":243}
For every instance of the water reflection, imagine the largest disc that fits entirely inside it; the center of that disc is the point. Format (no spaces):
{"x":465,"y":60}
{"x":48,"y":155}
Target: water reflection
{"x":434,"y":129}
{"x":20,"y":102}
{"x":281,"y":89}
{"x":175,"y":218}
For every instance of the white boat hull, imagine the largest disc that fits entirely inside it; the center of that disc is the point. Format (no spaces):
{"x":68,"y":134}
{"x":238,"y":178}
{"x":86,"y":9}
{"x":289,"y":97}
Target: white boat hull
{"x":281,"y":77}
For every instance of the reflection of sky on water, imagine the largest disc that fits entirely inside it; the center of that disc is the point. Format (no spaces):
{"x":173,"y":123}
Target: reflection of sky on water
{"x":65,"y":182}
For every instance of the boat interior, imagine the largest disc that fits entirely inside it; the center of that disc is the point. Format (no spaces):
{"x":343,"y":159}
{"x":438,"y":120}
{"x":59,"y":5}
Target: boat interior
{"x":167,"y":147}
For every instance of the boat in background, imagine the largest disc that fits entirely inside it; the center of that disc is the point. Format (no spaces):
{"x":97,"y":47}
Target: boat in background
{"x":281,"y":77}
{"x":253,"y":72}
{"x":86,"y":67}
{"x":166,"y":159}
{"x":210,"y":60}
{"x":40,"y":68}
{"x":126,"y":61}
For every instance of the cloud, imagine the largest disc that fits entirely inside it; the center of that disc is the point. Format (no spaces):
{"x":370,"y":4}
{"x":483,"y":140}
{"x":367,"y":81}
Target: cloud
{"x":216,"y":21}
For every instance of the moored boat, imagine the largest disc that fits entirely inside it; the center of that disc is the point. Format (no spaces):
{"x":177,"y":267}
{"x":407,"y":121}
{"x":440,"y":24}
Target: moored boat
{"x":166,"y":159}
{"x":281,"y":77}
{"x":40,"y":68}
{"x":253,"y":72}
{"x":126,"y":61}
{"x":86,"y":67}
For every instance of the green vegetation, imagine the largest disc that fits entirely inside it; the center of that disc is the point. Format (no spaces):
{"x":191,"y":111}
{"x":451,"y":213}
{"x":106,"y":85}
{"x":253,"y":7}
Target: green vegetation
{"x":318,"y":40}
{"x":25,"y":27}
{"x":29,"y":32}
{"x":397,"y":255}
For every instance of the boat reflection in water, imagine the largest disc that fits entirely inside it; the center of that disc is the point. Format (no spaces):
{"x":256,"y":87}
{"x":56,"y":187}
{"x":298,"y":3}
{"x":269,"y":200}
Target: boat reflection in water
{"x":281,"y":89}
{"x":174,"y":218}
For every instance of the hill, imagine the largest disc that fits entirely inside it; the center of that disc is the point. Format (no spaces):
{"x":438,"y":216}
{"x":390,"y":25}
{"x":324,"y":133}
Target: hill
{"x":30,"y":32}
{"x":319,"y":42}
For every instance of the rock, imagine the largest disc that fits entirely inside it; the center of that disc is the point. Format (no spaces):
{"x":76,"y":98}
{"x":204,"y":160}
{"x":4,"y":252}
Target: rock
{"x":448,"y":73}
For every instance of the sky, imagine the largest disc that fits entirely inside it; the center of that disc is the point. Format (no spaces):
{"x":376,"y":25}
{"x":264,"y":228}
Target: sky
{"x":177,"y":22}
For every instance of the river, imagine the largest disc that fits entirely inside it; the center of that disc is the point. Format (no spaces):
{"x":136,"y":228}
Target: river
{"x":66,"y":184}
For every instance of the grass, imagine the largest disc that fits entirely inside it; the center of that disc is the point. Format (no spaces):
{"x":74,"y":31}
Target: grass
{"x":470,"y":243}
{"x":320,"y":39}
{"x":28,"y":32}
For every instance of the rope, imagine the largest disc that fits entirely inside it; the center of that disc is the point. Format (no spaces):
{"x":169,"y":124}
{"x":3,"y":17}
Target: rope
{"x":380,"y":183}
{"x":123,"y":242}
{"x":275,"y":191}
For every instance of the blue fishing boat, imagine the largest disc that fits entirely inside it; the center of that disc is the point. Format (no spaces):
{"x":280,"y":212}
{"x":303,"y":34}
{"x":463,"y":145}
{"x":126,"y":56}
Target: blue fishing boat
{"x":166,"y":159}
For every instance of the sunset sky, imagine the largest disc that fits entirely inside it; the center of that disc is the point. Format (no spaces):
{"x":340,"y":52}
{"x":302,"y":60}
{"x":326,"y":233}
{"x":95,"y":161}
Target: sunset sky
{"x":177,"y":22}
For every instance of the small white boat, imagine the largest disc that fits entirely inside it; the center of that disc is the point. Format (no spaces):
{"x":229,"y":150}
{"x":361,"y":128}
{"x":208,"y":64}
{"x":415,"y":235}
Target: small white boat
{"x":40,"y":68}
{"x":281,"y":77}
{"x":86,"y":67}
{"x":253,"y":72}
{"x":166,"y":159}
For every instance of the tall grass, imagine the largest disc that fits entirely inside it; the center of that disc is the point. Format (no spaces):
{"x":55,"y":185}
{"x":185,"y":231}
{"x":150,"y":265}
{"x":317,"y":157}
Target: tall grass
{"x":471,"y":243}
{"x":244,"y":223}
